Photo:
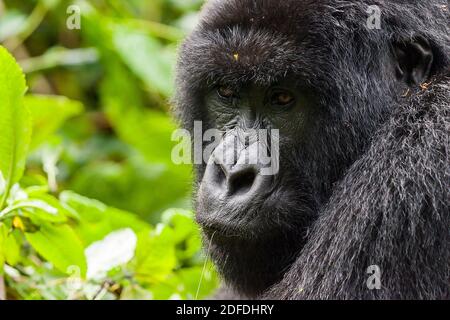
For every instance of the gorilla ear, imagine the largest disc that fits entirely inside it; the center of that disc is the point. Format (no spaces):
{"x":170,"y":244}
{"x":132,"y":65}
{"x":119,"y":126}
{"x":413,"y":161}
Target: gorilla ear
{"x":414,"y":59}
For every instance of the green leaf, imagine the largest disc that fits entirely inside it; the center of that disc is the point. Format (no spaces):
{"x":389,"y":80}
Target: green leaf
{"x":50,"y":3}
{"x":147,"y":130}
{"x":2,"y":184}
{"x":203,"y":280}
{"x":98,"y":220}
{"x":41,"y":210}
{"x":155,"y":255}
{"x":48,"y":113}
{"x":125,"y":185}
{"x":12,"y":246}
{"x":15,"y":122}
{"x":191,"y":283}
{"x":38,"y":206}
{"x":135,"y":292}
{"x":3,"y":233}
{"x":182,"y":222}
{"x":116,"y":249}
{"x":60,"y":246}
{"x":146,"y":57}
{"x":186,"y":234}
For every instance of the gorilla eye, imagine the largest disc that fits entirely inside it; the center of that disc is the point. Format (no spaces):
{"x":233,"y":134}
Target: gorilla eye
{"x":281,"y":98}
{"x":225,"y":92}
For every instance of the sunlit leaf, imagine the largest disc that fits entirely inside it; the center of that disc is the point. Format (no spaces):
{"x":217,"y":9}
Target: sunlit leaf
{"x":48,"y":113}
{"x":155,"y":255}
{"x":135,"y":292}
{"x":114,"y":250}
{"x":15,"y":121}
{"x":146,"y":57}
{"x":97,"y":220}
{"x":60,"y":246}
{"x":41,"y":210}
{"x":12,"y":244}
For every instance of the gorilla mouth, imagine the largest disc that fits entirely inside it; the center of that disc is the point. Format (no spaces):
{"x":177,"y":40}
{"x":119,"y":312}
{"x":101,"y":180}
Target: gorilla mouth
{"x":218,"y":228}
{"x":260,"y":216}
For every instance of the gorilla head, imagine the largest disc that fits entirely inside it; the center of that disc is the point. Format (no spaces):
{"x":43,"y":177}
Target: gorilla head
{"x":315,"y":71}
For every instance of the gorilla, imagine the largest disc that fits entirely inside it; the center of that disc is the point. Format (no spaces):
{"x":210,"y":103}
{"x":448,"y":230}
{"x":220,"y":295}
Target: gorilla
{"x":359,"y":208}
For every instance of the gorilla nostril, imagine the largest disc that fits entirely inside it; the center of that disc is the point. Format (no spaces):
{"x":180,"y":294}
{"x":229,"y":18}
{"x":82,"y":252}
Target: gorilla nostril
{"x":241,"y":181}
{"x":220,"y":175}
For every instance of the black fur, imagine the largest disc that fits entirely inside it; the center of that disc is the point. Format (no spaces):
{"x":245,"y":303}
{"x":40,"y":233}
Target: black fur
{"x":391,"y":210}
{"x":373,"y":171}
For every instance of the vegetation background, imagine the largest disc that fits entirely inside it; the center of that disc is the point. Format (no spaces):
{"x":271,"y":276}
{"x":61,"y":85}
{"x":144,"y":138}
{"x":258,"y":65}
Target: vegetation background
{"x":91,"y":205}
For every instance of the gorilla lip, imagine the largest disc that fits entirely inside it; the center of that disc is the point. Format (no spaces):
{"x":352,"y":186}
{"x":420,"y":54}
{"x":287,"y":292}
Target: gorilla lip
{"x":227,"y":229}
{"x":210,"y":226}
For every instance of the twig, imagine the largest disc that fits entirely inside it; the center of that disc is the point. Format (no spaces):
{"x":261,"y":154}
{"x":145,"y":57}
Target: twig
{"x":2,"y":288}
{"x":103,"y":289}
{"x":155,"y":29}
{"x":31,"y":24}
{"x":59,"y":57}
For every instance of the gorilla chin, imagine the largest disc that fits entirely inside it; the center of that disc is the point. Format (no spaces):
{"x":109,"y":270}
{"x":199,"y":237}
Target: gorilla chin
{"x":242,"y":248}
{"x":245,"y":217}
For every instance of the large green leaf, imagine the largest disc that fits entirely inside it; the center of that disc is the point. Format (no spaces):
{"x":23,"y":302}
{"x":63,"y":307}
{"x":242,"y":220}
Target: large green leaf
{"x":3,"y":233}
{"x":116,"y":249}
{"x":146,"y":57}
{"x":97,"y":220}
{"x":60,"y":246}
{"x":135,"y":292}
{"x":40,"y":210}
{"x":186,"y":234}
{"x":155,"y":255}
{"x":48,"y":113}
{"x":126,"y":186}
{"x":189,"y":283}
{"x":148,"y":130}
{"x":12,"y":244}
{"x":14,"y":121}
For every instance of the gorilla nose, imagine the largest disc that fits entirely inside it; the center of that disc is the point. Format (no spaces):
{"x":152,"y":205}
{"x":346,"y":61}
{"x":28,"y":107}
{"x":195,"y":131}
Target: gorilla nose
{"x":243,"y":181}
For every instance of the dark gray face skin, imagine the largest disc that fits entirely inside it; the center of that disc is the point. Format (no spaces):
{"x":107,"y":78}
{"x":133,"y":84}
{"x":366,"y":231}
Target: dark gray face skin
{"x":236,"y":111}
{"x":282,"y":106}
{"x":229,"y":189}
{"x":241,"y":210}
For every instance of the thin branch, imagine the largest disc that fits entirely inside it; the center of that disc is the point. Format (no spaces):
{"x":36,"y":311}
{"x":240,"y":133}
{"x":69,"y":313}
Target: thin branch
{"x":155,"y":29}
{"x":2,"y":288}
{"x":31,"y":24}
{"x":59,"y":57}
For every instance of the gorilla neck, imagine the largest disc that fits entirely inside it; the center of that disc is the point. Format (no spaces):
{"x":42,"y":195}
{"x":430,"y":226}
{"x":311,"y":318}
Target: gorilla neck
{"x":252,"y":266}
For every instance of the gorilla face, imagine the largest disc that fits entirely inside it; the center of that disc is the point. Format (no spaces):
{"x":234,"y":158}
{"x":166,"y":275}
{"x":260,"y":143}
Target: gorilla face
{"x":236,"y":197}
{"x":243,"y":210}
{"x":296,"y":68}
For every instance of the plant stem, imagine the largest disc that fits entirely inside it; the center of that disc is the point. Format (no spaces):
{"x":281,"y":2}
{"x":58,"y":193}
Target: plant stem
{"x":59,"y":57}
{"x":156,"y":29}
{"x":33,"y":21}
{"x":5,"y":194}
{"x":2,"y":288}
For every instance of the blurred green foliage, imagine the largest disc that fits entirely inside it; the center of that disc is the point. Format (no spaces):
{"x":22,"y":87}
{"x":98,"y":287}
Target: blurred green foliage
{"x":94,"y":120}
